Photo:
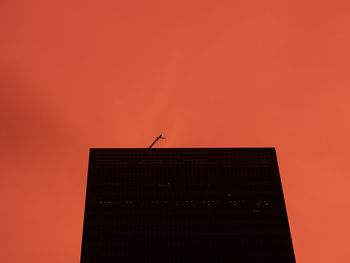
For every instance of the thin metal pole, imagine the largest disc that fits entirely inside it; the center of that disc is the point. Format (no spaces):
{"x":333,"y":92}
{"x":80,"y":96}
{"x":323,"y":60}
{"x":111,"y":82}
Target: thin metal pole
{"x":160,"y":136}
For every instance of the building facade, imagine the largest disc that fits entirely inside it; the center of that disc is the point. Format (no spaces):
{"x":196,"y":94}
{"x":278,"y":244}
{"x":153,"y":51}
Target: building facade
{"x":185,"y":205}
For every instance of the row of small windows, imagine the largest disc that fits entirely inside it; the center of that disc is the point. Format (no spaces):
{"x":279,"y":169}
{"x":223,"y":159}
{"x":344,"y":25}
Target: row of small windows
{"x":234,"y":203}
{"x":133,"y":173}
{"x":263,"y":203}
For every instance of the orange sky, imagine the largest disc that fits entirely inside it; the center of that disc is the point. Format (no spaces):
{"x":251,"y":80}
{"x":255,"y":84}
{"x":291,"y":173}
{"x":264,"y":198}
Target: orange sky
{"x":77,"y":74}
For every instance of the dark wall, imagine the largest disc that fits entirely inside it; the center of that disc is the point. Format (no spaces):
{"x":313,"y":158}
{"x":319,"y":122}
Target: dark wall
{"x":185,"y":205}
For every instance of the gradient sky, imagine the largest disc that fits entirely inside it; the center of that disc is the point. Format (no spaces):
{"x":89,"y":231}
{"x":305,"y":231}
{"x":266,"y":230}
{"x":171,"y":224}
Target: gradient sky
{"x":78,"y":74}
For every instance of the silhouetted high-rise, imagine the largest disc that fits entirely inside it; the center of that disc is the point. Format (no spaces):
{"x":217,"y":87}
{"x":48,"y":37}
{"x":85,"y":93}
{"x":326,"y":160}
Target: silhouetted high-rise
{"x":185,"y":205}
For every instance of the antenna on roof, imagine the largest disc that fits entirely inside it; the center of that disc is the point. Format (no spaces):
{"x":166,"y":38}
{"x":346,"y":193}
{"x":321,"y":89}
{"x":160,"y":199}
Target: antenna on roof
{"x":157,"y":138}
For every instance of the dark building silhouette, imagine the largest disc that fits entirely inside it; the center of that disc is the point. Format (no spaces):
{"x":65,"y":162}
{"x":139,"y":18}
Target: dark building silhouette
{"x":185,"y":205}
